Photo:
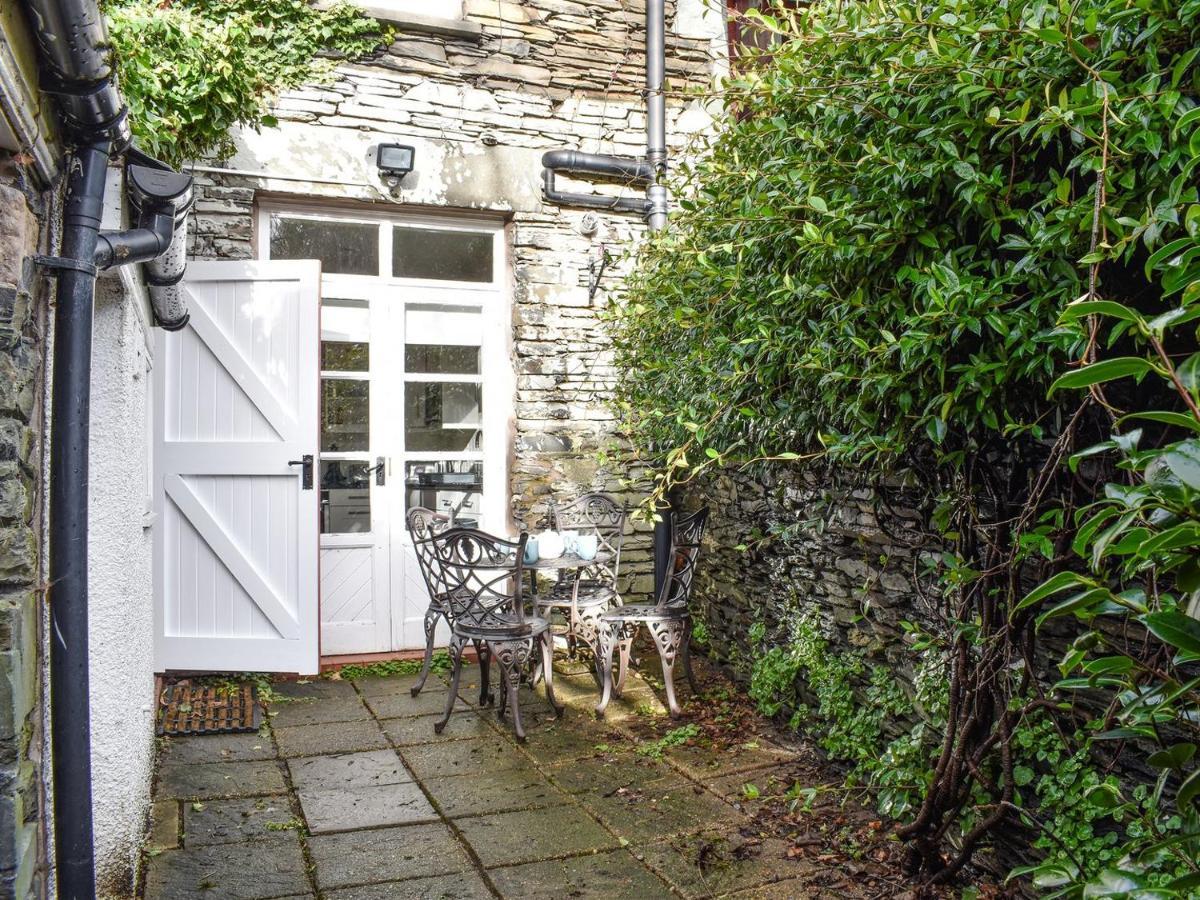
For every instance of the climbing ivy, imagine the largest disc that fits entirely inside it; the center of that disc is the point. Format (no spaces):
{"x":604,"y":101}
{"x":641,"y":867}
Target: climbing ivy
{"x":192,"y":70}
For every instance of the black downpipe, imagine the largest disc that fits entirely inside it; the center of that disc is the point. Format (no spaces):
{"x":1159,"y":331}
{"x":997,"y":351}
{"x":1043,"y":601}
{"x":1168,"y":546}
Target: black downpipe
{"x":70,"y":723}
{"x":149,"y":241}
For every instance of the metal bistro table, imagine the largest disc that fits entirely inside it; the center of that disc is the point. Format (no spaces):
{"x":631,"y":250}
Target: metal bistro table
{"x":583,"y":621}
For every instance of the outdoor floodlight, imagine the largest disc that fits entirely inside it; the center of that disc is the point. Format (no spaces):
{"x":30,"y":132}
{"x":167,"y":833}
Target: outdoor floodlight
{"x":394,"y":161}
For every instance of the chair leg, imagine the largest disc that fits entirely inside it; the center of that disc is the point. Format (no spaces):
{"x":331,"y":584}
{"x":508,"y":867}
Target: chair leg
{"x":431,"y":617}
{"x":667,"y":636}
{"x":484,"y":653}
{"x":685,"y":649}
{"x":513,"y":656}
{"x":546,"y":639}
{"x":606,"y":639}
{"x":588,"y":627}
{"x":628,"y":633}
{"x":456,"y":649}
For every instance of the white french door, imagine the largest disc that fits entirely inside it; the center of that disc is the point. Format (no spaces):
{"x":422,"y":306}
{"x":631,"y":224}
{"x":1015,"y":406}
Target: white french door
{"x":415,"y":396}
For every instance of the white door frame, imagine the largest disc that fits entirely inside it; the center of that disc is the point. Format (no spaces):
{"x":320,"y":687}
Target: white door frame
{"x":387,"y":374}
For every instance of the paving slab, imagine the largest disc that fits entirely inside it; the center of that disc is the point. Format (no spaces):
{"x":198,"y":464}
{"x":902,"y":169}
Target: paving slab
{"x":419,"y":729}
{"x":532,"y":835}
{"x":215,"y":780}
{"x":574,"y":736}
{"x":342,"y":809}
{"x":164,"y":825}
{"x":659,"y":808}
{"x":207,"y":822}
{"x":354,"y":858}
{"x":471,"y":757}
{"x":794,"y":888}
{"x":216,"y":748}
{"x":329,"y":738}
{"x":314,"y":711}
{"x":460,"y":886}
{"x":348,"y":770}
{"x":601,"y":876}
{"x":714,"y":863}
{"x":605,"y":773}
{"x":468,"y":795}
{"x":708,"y":764}
{"x":768,"y":783}
{"x":256,"y":871}
{"x":314,"y":689}
{"x":399,"y":703}
{"x":375,"y":685}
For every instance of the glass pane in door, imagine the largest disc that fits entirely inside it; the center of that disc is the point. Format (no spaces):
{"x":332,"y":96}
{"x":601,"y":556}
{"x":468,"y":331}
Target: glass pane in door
{"x":345,"y":415}
{"x":450,"y":486}
{"x":442,"y":416}
{"x":345,"y":497}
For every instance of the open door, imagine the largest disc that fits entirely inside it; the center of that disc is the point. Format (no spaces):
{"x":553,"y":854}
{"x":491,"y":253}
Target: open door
{"x":235,"y":417}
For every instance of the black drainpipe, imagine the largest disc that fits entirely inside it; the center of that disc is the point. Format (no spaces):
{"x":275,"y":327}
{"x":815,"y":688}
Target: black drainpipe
{"x":73,"y":49}
{"x":70,"y":722}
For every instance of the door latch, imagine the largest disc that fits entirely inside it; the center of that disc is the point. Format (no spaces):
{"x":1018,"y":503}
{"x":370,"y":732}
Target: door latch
{"x":306,"y":471}
{"x":380,"y":471}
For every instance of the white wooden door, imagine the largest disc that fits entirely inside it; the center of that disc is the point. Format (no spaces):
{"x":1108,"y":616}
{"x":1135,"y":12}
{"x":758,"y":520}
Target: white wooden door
{"x":236,"y":536}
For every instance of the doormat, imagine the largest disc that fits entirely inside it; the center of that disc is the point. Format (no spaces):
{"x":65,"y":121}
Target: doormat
{"x":202,"y":709}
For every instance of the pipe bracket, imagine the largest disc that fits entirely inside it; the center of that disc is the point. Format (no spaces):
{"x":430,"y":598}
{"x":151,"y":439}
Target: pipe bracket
{"x":62,"y":262}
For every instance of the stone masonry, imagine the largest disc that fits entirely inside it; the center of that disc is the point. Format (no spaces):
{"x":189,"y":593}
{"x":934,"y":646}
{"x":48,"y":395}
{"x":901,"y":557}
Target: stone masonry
{"x":482,"y":105}
{"x":21,"y":330}
{"x":814,"y":542}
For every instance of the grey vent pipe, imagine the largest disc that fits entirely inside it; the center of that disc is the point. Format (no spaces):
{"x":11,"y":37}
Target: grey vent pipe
{"x":649,"y":172}
{"x":74,"y":57}
{"x":656,"y":113}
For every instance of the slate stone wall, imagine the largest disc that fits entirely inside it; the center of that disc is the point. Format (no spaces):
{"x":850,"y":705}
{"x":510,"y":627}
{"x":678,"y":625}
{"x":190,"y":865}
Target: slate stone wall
{"x":21,"y":341}
{"x":816,"y":542}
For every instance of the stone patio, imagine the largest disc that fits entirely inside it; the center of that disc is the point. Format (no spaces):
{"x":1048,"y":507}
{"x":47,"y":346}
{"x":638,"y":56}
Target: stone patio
{"x":347,"y":794}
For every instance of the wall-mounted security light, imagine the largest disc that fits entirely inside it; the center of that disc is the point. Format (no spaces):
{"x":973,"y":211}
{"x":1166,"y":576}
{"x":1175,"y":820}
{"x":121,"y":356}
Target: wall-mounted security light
{"x":394,"y":161}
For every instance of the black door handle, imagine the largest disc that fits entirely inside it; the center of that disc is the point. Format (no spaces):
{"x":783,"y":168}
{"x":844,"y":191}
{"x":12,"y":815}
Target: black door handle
{"x":306,"y":472}
{"x":378,"y":469}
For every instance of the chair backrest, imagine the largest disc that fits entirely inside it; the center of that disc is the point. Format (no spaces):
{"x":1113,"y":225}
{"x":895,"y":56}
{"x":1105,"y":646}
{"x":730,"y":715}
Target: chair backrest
{"x":423,"y":524}
{"x":482,"y":576}
{"x":686,"y":533}
{"x":600,"y":514}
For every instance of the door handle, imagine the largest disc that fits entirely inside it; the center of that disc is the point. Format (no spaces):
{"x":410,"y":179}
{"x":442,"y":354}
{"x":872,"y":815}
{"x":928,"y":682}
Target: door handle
{"x":306,"y":470}
{"x":380,"y":471}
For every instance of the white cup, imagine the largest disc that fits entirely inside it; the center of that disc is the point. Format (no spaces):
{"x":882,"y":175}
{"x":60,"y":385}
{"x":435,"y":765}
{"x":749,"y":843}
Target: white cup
{"x":586,"y":546}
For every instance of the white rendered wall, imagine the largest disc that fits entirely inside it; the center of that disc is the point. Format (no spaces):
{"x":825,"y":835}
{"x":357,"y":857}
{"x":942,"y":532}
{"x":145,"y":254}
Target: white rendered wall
{"x":121,"y":625}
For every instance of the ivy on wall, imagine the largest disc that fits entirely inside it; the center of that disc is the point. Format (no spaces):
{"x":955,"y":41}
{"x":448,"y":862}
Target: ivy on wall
{"x":959,"y":238}
{"x":193,"y":70}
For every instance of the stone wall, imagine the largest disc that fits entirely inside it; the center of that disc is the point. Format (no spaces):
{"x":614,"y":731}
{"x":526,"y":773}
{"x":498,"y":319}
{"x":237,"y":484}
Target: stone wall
{"x":481,"y":105}
{"x":22,"y":320}
{"x":815,"y":543}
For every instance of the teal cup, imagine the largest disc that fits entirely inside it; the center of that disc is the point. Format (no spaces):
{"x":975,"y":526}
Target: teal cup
{"x":531,"y":550}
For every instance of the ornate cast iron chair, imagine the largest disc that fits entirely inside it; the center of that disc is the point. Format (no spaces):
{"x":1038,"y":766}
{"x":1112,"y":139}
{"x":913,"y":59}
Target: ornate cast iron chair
{"x":667,"y":618}
{"x":482,"y":575}
{"x":582,"y":596}
{"x":423,"y":524}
